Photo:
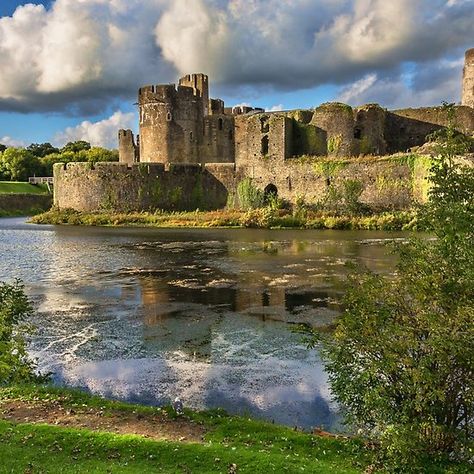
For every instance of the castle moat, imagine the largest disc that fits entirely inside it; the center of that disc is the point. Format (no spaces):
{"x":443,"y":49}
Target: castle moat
{"x":147,"y":315}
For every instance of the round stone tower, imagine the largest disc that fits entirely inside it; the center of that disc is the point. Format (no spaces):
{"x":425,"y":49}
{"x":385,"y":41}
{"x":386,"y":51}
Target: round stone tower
{"x":171,"y":121}
{"x":156,"y":104}
{"x":468,"y":79}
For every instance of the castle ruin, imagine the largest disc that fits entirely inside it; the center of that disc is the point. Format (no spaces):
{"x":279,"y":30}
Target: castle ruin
{"x":192,"y":151}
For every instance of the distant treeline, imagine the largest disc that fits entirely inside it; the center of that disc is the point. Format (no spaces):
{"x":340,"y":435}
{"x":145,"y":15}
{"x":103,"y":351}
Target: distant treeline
{"x":37,"y":159}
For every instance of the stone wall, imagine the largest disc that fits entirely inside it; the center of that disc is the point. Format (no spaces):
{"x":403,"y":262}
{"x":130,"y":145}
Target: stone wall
{"x":141,"y":186}
{"x":20,"y":203}
{"x":128,"y":152}
{"x":218,"y":139}
{"x":468,"y":79}
{"x":171,"y":124}
{"x":369,"y":131}
{"x":260,"y":137}
{"x":184,"y":125}
{"x":407,"y":128}
{"x":337,"y":120}
{"x":389,"y":183}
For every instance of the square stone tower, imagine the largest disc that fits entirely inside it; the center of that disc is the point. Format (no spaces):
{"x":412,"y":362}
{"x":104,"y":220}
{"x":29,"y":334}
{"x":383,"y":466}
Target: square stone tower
{"x":468,"y":79}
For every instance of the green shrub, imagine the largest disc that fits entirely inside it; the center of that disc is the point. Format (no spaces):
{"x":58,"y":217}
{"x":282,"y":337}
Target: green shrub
{"x":249,"y":196}
{"x":258,"y":218}
{"x":352,"y":191}
{"x":400,"y":360}
{"x":15,"y":365}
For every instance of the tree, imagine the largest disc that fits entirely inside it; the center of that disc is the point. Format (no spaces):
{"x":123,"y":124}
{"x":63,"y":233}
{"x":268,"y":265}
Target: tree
{"x":2,"y":147}
{"x":15,"y":365}
{"x":76,"y":146}
{"x":42,"y":149}
{"x":92,"y":155}
{"x":18,"y":164}
{"x":401,"y":359}
{"x":96,"y":154}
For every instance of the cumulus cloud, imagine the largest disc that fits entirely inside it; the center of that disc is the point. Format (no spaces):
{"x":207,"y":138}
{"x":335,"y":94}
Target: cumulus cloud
{"x":78,"y":55}
{"x":430,"y":84}
{"x":304,"y":43}
{"x":11,"y":142}
{"x":276,"y":108}
{"x":102,"y":133}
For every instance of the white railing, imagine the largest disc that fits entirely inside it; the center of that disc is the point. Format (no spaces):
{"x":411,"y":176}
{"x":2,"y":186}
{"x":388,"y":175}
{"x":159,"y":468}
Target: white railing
{"x":41,"y":180}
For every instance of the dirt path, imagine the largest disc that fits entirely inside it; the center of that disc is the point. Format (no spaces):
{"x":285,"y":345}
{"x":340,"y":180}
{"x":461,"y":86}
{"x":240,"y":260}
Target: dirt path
{"x":157,"y":426}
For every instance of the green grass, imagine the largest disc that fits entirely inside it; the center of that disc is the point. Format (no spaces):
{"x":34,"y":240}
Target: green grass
{"x":32,"y":211}
{"x":256,"y":447}
{"x":13,"y":187}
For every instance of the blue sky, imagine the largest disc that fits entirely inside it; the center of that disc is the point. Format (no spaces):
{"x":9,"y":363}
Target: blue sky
{"x":71,"y":69}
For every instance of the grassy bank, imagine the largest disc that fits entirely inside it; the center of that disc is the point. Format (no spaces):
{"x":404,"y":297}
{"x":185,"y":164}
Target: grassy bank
{"x":259,"y":218}
{"x":31,"y":211}
{"x":45,"y":429}
{"x":253,"y":446}
{"x":23,"y":199}
{"x":13,"y":187}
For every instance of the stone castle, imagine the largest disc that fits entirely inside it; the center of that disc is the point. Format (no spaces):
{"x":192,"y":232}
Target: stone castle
{"x":192,"y":151}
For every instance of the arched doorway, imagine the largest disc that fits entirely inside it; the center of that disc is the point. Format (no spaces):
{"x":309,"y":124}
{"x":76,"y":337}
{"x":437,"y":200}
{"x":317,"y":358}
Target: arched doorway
{"x":270,"y":192}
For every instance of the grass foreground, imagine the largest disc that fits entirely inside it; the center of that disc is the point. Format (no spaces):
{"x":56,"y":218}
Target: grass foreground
{"x":15,"y":187}
{"x":227,"y":443}
{"x":263,"y":218}
{"x":80,"y":436}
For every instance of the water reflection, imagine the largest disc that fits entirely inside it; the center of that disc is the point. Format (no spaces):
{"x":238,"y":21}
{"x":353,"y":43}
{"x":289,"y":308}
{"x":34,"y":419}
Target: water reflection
{"x":146,"y":315}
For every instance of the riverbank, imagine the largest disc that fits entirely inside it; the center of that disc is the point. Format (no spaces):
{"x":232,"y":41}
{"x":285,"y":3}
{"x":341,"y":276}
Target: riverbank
{"x":46,"y":429}
{"x":264,"y":218}
{"x":56,"y":430}
{"x":23,"y":199}
{"x":20,"y":187}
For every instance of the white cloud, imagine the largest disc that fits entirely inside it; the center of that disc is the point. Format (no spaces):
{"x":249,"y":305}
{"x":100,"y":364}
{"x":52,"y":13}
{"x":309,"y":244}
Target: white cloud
{"x":80,"y":55}
{"x":276,"y":108}
{"x":357,"y":89}
{"x":12,"y":142}
{"x":195,"y":36}
{"x":434,"y":84}
{"x":103,"y":133}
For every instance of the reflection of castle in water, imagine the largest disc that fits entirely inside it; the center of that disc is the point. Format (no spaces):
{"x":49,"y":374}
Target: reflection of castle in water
{"x":267,"y":282}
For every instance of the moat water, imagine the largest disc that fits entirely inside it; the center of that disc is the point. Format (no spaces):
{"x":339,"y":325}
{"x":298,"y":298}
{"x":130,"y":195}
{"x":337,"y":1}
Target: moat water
{"x":146,"y":315}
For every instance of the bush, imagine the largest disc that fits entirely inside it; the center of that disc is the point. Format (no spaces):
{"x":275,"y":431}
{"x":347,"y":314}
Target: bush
{"x":258,"y":218}
{"x":400,"y":360}
{"x":15,"y":365}
{"x":249,"y":196}
{"x":344,"y":198}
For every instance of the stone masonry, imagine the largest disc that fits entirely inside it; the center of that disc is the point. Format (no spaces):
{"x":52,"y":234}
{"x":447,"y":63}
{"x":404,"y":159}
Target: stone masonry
{"x":192,"y":151}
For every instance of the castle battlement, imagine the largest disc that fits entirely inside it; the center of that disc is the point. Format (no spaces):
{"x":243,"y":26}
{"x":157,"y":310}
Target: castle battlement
{"x":192,"y":151}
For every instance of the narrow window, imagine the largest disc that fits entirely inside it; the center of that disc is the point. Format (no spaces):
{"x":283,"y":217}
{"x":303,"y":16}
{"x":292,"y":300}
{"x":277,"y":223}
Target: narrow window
{"x":221,"y":124}
{"x":168,"y":116}
{"x":357,"y":133}
{"x":191,"y":136}
{"x":265,"y":144}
